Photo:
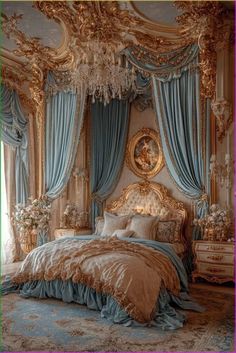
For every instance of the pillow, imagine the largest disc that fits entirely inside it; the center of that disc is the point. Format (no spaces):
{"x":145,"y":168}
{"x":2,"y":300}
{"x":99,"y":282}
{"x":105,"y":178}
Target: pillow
{"x":123,"y":233}
{"x":165,"y":231}
{"x":143,"y":226}
{"x":99,"y":225}
{"x":112,"y":223}
{"x":168,"y":231}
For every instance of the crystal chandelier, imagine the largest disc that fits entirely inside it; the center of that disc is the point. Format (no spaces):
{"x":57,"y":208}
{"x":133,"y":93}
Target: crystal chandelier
{"x":105,"y":74}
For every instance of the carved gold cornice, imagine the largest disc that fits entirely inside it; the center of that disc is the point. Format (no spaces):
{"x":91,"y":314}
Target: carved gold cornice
{"x":157,"y":43}
{"x":202,"y":22}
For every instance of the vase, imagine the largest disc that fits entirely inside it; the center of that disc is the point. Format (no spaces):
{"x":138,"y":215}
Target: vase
{"x":28,"y":240}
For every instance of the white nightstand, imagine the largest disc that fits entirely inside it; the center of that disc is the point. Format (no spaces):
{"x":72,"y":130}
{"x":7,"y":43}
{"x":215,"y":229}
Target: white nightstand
{"x":63,"y":233}
{"x":214,"y":261}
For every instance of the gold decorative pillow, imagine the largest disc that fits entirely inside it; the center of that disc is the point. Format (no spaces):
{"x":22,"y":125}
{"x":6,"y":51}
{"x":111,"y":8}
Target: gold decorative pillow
{"x":112,"y":223}
{"x":121,"y":233}
{"x":143,"y":226}
{"x":168,"y":231}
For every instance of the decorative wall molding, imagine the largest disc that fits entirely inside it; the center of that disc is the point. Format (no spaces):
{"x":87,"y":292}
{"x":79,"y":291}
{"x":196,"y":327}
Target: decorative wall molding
{"x":222,"y":110}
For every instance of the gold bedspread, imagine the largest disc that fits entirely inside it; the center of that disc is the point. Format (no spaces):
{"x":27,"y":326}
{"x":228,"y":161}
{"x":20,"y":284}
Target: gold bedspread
{"x":131,"y":273}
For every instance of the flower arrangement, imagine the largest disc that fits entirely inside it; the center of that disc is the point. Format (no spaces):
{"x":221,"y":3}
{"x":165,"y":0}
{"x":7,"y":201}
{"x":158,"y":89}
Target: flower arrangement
{"x":217,"y":224}
{"x":30,"y":219}
{"x":73,"y":218}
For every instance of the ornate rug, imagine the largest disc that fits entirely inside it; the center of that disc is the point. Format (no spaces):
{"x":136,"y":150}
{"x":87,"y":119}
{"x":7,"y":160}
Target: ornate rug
{"x":51,"y":325}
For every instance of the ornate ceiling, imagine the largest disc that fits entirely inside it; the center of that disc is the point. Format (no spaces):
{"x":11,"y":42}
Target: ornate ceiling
{"x":45,"y":35}
{"x":36,"y":19}
{"x":34,"y":23}
{"x":162,"y":12}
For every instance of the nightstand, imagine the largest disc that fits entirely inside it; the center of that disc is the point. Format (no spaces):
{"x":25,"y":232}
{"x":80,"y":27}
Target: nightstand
{"x":63,"y":233}
{"x":84,"y":231}
{"x":213,"y":261}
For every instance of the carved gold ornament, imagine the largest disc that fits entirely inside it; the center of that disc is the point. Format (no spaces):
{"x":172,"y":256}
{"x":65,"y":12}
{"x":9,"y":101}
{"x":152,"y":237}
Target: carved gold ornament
{"x":28,"y":47}
{"x":144,"y":153}
{"x":222,"y":110}
{"x":109,"y":22}
{"x":202,"y":22}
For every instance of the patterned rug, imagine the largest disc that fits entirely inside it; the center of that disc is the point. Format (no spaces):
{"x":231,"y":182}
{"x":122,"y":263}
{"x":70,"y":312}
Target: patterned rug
{"x":51,"y":325}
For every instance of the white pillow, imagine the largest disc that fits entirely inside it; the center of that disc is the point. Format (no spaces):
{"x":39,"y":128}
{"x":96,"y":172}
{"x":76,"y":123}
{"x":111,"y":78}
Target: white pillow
{"x":113,"y":222}
{"x":143,"y":226}
{"x":99,"y":225}
{"x":121,"y":233}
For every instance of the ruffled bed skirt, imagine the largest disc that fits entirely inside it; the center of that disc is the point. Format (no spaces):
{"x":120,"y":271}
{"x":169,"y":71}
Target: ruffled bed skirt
{"x":166,"y":317}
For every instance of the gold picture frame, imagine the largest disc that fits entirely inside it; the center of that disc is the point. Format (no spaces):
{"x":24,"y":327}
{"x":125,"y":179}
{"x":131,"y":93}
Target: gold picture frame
{"x":144,"y":154}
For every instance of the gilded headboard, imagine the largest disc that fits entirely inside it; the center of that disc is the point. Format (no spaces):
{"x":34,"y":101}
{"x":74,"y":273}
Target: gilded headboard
{"x":149,"y":198}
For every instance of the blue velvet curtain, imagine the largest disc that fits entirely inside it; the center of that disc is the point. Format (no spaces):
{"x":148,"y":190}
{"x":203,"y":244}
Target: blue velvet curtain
{"x":180,"y":123}
{"x":14,"y":132}
{"x":64,"y":121}
{"x":109,"y":130}
{"x":176,"y":96}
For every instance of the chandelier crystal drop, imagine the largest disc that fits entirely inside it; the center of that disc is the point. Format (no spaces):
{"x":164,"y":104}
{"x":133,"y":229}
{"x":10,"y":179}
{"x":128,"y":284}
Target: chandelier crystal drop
{"x":105,"y":74}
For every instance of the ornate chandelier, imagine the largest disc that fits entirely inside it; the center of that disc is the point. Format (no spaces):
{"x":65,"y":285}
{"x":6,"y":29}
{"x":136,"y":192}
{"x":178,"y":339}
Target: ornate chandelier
{"x":105,"y":74}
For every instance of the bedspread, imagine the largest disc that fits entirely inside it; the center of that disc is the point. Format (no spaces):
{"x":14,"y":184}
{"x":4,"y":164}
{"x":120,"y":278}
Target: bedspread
{"x":132,"y":273}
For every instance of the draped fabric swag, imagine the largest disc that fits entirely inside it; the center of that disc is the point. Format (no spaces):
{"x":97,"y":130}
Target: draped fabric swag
{"x":14,"y":132}
{"x":64,"y":121}
{"x":176,"y":97}
{"x":109,"y":130}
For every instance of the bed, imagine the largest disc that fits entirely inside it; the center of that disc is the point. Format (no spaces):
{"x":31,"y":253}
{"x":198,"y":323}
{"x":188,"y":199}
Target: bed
{"x":130,"y":268}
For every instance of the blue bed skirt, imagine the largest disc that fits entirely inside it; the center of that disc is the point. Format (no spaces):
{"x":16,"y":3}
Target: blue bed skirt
{"x":166,"y":316}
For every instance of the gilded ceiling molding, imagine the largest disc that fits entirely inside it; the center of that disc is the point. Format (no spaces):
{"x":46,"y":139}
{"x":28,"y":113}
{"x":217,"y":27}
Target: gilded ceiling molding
{"x":91,"y":20}
{"x":30,"y":48}
{"x":202,"y":22}
{"x":107,"y":22}
{"x":27,"y":47}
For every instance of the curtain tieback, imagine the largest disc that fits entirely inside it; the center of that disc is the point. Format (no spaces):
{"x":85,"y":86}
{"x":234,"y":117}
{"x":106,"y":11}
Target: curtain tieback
{"x":97,"y":198}
{"x":202,"y":200}
{"x":203,"y":197}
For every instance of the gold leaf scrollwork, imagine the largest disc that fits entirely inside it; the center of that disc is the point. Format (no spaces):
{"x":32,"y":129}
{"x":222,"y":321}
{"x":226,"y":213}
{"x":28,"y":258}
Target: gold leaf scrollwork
{"x":201,"y":22}
{"x":37,"y":92}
